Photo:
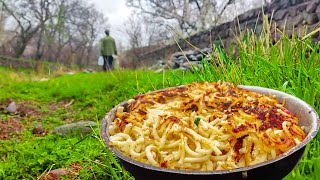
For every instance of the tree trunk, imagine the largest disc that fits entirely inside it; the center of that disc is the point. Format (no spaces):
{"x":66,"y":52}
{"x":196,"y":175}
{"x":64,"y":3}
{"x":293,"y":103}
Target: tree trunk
{"x":19,"y":48}
{"x":24,"y":37}
{"x":39,"y":52}
{"x":89,"y":55}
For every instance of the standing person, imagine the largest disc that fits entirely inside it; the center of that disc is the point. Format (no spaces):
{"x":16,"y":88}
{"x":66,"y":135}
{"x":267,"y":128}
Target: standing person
{"x":108,"y":48}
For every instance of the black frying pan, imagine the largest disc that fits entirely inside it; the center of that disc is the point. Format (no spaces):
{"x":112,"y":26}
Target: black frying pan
{"x":272,"y":169}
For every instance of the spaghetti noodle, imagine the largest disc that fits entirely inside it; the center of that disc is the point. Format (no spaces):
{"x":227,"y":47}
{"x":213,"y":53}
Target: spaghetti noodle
{"x":204,"y":126}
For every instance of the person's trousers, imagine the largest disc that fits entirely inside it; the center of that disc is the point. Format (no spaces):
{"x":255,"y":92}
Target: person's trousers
{"x":107,"y":64}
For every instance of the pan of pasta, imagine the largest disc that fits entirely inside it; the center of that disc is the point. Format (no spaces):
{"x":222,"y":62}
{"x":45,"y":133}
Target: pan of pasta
{"x":210,"y":130}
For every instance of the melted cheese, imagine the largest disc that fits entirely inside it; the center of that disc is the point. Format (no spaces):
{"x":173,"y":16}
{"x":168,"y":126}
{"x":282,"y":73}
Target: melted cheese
{"x":204,"y":126}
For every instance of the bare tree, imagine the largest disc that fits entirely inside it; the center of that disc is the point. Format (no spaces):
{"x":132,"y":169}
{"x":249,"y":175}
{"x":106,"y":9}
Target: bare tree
{"x":83,"y":25}
{"x":170,"y":10}
{"x":133,"y":29}
{"x":3,"y":17}
{"x":94,"y":24}
{"x":46,"y":35}
{"x":55,"y":35}
{"x":30,"y":16}
{"x":154,"y":30}
{"x":142,"y":30}
{"x":134,"y":32}
{"x":59,"y":30}
{"x":190,"y":15}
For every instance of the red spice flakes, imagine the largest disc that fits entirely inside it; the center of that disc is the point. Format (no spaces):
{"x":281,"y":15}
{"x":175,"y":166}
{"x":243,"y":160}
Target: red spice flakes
{"x":173,"y":119}
{"x":193,"y":107}
{"x":237,"y":146}
{"x":186,"y":103}
{"x":226,"y":105}
{"x":224,"y":152}
{"x":168,"y":94}
{"x":232,"y":92}
{"x":275,"y":118}
{"x":140,"y":96}
{"x":161,"y":100}
{"x":207,"y":92}
{"x":252,"y":148}
{"x":122,"y":125}
{"x":164,"y":164}
{"x":262,"y":115}
{"x":216,"y":86}
{"x":256,"y":103}
{"x":142,"y":112}
{"x":259,"y":112}
{"x":181,"y":89}
{"x":123,"y":122}
{"x":286,"y":111}
{"x":242,"y":127}
{"x":147,"y":102}
{"x":264,"y":126}
{"x":132,"y":105}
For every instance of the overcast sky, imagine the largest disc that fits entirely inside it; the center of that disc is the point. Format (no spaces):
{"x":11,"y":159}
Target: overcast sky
{"x":117,"y":13}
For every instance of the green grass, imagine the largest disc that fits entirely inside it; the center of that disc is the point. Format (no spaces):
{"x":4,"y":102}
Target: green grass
{"x":28,"y":156}
{"x":290,"y":65}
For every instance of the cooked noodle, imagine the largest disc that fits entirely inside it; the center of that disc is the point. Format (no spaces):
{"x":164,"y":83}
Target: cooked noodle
{"x":204,"y":126}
